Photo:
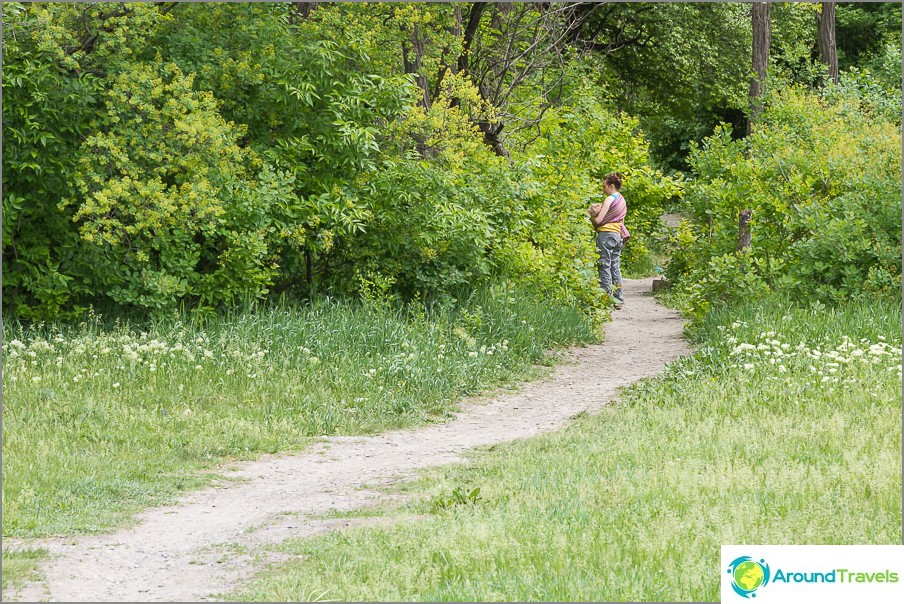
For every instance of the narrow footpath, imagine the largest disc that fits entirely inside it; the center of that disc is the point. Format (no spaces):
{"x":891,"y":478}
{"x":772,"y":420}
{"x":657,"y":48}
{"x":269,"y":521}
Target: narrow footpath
{"x":206,"y":544}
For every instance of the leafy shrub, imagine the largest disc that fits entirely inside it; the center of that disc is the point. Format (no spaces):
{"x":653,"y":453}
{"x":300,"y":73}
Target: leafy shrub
{"x":822,"y":174}
{"x":202,"y":155}
{"x":173,"y":207}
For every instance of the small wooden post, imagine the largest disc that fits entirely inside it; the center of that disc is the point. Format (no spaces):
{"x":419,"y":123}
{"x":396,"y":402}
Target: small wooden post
{"x":744,"y":230}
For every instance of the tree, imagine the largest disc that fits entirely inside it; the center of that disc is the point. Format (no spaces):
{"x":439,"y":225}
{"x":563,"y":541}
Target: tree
{"x":864,"y":29}
{"x":762,"y":34}
{"x":827,"y":51}
{"x":681,"y":68}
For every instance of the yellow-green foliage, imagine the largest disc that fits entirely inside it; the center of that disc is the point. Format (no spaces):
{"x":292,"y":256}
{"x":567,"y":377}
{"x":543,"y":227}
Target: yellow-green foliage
{"x":822,"y":175}
{"x":209,"y":153}
{"x":171,"y":202}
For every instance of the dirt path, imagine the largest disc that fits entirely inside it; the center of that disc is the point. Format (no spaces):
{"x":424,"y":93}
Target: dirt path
{"x":205,"y":544}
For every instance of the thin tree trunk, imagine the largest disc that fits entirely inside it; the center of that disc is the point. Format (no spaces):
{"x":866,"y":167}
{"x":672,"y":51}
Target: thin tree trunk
{"x":744,"y":237}
{"x":474,"y":16}
{"x":762,"y":35}
{"x":304,"y":8}
{"x":827,"y":49}
{"x":490,"y":131}
{"x":415,"y":66}
{"x":447,"y":65}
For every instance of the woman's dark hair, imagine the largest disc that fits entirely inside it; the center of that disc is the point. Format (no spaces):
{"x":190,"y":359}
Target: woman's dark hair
{"x":615,"y":178}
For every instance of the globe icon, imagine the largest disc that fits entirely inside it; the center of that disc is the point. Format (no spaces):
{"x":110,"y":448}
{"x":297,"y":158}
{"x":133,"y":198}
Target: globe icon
{"x":748,"y":575}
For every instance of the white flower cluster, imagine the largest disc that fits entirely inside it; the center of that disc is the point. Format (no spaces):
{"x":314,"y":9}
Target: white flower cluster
{"x":767,"y":353}
{"x":80,"y":358}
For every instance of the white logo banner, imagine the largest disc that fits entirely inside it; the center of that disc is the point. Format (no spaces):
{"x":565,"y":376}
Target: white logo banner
{"x":777,"y":574}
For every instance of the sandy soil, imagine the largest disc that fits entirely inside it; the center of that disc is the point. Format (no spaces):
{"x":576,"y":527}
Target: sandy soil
{"x":208,"y":542}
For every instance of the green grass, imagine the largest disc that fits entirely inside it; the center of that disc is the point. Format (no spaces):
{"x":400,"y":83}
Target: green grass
{"x":634,"y":502}
{"x":104,"y":418}
{"x":20,"y":566}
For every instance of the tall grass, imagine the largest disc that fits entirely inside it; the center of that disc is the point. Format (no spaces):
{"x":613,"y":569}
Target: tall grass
{"x":784,"y":427}
{"x":102,"y":418}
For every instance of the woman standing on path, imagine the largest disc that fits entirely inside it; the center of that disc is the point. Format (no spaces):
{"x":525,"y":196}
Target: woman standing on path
{"x":608,"y":219}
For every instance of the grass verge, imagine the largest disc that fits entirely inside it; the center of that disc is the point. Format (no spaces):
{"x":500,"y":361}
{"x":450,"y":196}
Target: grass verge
{"x":784,"y":427}
{"x":21,"y":566}
{"x":102,"y":419}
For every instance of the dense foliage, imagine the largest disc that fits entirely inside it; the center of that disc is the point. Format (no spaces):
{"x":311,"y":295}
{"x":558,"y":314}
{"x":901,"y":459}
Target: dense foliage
{"x":164,"y":155}
{"x":822,"y":174}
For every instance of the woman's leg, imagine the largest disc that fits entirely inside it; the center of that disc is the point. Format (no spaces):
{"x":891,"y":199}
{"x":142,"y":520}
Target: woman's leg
{"x":616,"y":271}
{"x":607,"y":244}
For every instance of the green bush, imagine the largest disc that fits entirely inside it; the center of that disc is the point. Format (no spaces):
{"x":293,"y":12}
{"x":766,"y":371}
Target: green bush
{"x":173,"y":206}
{"x":822,"y":174}
{"x":197,"y":156}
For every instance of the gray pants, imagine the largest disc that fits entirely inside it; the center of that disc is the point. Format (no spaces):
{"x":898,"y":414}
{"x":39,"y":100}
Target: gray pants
{"x":609,"y":245}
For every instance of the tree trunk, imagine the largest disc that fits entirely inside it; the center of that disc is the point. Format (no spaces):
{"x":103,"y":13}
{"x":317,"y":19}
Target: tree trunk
{"x":415,"y":66}
{"x":490,"y":131}
{"x":474,"y":16}
{"x":447,"y":65}
{"x":304,"y":8}
{"x":744,"y":230}
{"x":491,"y":137}
{"x":762,"y":34}
{"x":827,"y":50}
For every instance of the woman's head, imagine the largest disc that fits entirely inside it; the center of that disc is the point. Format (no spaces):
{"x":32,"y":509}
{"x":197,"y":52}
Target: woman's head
{"x":614,"y":179}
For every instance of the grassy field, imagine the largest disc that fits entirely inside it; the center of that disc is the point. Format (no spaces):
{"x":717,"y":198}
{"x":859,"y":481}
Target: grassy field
{"x":784,"y":427}
{"x":104,"y":418}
